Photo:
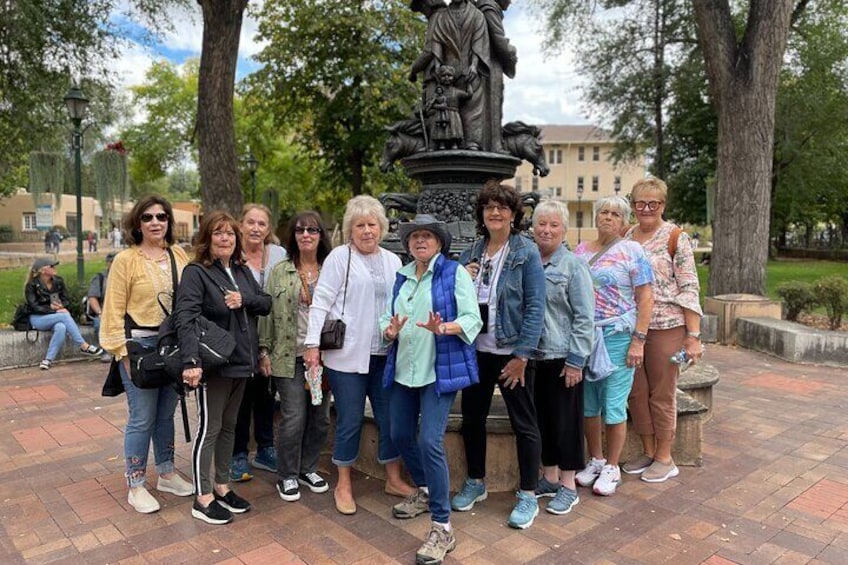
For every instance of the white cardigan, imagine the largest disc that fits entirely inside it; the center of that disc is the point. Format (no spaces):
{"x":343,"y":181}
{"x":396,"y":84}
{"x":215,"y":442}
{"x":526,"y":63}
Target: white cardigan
{"x":355,"y":356}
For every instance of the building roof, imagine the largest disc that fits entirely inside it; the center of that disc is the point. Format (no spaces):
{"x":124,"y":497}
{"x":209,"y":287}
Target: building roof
{"x":574,"y":134}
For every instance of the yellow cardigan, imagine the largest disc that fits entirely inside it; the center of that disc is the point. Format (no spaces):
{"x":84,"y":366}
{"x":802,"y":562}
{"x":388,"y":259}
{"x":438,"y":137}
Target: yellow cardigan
{"x":133,"y":284}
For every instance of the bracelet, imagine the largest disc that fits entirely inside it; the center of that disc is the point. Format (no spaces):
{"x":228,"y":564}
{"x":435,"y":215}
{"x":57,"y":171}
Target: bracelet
{"x":443,"y":329}
{"x":696,"y":335}
{"x":640,"y":336}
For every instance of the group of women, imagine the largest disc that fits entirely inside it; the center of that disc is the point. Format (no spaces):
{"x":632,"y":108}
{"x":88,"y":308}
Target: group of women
{"x":568,"y":338}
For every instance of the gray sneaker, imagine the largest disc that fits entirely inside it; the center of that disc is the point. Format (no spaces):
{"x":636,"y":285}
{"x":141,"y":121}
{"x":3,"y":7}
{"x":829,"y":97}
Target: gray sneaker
{"x":415,"y":504}
{"x":546,"y":488}
{"x":439,"y":543}
{"x":563,"y":502}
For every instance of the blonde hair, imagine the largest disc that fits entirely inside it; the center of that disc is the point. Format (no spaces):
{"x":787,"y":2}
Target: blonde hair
{"x":360,"y":207}
{"x":554,"y":207}
{"x":646,"y":185}
{"x":249,"y":207}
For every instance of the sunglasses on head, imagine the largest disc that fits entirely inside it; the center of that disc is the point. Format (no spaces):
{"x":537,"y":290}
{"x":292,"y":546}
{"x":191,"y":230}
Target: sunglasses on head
{"x":308,"y":229}
{"x":147,"y":218}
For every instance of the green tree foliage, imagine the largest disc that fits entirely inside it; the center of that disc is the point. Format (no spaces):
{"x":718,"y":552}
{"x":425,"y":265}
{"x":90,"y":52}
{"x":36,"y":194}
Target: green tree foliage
{"x":335,"y":74}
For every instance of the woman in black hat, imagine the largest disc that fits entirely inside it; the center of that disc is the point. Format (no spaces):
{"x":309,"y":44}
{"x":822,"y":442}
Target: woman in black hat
{"x":47,"y":299}
{"x":432,"y":322}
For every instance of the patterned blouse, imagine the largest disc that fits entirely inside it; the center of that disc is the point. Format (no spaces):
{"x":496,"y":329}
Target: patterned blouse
{"x":675,"y":283}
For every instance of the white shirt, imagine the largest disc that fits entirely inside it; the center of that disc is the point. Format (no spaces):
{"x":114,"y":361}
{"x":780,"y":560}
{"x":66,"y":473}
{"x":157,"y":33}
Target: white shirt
{"x":355,"y":356}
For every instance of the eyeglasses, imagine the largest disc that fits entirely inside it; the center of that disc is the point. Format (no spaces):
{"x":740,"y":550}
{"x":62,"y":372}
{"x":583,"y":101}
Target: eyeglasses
{"x":222,"y":233}
{"x":312,"y":230}
{"x":160,"y":216}
{"x":651,"y":205}
{"x":496,"y":208}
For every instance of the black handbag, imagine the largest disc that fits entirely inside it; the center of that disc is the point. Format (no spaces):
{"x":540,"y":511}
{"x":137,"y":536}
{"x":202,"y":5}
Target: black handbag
{"x":215,"y":345}
{"x":333,"y":331}
{"x":21,"y":320}
{"x":113,"y":385}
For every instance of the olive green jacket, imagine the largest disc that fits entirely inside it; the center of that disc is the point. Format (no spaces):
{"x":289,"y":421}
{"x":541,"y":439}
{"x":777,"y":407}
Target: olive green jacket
{"x":278,"y":330}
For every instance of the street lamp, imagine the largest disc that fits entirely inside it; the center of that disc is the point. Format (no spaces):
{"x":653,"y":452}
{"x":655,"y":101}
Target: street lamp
{"x":252,"y":165}
{"x":77,"y":105}
{"x":616,"y":185}
{"x":579,"y":212}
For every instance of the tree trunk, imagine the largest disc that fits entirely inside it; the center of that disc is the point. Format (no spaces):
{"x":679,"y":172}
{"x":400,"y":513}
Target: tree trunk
{"x":216,"y":140}
{"x":743,"y":77}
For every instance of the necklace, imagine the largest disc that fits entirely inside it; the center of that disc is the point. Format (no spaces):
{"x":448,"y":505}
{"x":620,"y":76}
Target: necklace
{"x":310,"y":274}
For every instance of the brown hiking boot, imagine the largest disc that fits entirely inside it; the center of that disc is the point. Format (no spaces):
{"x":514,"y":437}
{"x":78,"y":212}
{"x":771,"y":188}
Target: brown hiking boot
{"x":415,"y":504}
{"x":439,"y":542}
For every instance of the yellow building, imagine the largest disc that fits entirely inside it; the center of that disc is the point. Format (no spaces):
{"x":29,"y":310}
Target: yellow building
{"x":581,"y":172}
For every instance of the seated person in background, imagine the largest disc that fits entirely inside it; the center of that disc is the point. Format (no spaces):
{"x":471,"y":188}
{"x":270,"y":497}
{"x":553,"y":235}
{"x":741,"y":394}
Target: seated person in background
{"x":96,"y":294}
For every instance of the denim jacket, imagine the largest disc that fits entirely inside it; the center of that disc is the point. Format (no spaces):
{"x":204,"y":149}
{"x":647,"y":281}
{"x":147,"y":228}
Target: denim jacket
{"x":520,"y":295}
{"x":569,"y":310}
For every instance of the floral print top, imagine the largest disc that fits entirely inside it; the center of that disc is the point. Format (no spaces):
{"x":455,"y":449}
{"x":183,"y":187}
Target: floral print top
{"x":675,"y":283}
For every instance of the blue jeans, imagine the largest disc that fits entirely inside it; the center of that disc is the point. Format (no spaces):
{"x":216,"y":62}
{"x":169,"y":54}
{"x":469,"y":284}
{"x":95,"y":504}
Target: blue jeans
{"x":349,"y":392}
{"x":423,"y":455}
{"x":61,"y":323}
{"x":151,"y":416}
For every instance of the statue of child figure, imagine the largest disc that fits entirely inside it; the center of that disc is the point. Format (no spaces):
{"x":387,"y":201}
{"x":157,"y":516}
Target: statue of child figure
{"x":446,"y":125}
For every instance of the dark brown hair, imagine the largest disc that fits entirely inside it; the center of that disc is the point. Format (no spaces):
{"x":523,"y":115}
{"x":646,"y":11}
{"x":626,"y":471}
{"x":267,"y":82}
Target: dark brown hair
{"x":308,"y":218}
{"x":494,"y":191}
{"x":132,"y":219}
{"x":213,"y":221}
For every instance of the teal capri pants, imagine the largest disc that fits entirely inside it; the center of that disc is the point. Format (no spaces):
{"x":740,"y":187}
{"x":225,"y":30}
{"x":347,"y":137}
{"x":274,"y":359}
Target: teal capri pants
{"x":608,"y":397}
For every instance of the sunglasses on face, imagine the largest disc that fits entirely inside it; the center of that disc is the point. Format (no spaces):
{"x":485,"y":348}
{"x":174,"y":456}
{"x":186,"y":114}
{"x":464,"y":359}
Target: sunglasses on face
{"x":312,"y":230}
{"x":146,"y":218}
{"x":651,"y":205}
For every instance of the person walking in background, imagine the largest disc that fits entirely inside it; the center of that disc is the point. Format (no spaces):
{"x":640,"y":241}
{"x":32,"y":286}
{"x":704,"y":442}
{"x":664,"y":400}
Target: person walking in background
{"x":563,"y":353}
{"x":355,"y":284}
{"x":675,"y":326}
{"x":432,"y":321}
{"x":218,"y":286}
{"x":622,"y":277}
{"x":510,"y":284}
{"x":47,"y":299}
{"x":257,"y":405}
{"x":304,"y":418}
{"x":141,"y":277}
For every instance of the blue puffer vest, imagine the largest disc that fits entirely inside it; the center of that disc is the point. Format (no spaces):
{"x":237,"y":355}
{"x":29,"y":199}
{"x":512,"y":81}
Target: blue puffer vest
{"x":456,"y":361}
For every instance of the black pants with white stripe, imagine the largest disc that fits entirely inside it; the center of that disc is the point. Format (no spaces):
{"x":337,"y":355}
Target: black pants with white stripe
{"x":218,"y":402}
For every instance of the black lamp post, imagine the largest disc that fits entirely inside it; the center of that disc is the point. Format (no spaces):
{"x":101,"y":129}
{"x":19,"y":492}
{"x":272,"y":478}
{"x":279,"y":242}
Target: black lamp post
{"x":252,"y":165}
{"x":77,"y":104}
{"x":579,"y":212}
{"x":616,"y":185}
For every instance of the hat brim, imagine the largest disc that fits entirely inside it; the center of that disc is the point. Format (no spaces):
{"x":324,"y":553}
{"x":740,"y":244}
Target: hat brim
{"x":438,"y":229}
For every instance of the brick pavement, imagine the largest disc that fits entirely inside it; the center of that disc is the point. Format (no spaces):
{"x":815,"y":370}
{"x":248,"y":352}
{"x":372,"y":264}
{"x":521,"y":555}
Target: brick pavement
{"x":773,"y":489}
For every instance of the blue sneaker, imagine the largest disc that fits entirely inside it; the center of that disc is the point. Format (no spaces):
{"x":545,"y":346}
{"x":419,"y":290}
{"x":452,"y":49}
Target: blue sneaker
{"x":563,"y":502}
{"x":471,"y":493}
{"x":546,"y":488}
{"x":266,"y":459}
{"x":525,"y":511}
{"x":240,"y":469}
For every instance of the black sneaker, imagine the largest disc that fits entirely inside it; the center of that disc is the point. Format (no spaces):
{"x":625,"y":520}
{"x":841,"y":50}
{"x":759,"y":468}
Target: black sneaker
{"x":313,"y":481}
{"x":288,"y":490}
{"x":212,"y":514}
{"x":233,"y":502}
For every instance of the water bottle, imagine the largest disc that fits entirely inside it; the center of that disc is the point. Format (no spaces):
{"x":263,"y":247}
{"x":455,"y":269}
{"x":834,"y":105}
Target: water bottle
{"x":313,"y":379}
{"x":680,"y":358}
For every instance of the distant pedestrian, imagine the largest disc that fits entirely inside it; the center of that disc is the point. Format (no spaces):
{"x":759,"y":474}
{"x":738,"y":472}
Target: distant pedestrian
{"x":48,"y":241}
{"x":116,"y":238}
{"x":92,"y":242}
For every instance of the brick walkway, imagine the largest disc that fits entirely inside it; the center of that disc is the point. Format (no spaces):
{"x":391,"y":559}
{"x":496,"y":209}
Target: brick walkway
{"x":773,"y":489}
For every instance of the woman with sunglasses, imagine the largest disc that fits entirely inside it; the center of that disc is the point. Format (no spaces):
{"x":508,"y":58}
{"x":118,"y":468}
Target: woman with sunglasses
{"x":261,"y":254}
{"x":140,"y":278}
{"x":510,"y":284}
{"x":302,"y":429}
{"x":675,"y":326}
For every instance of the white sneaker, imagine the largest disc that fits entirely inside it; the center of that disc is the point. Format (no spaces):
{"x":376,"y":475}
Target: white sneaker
{"x":608,"y":481}
{"x":142,"y":500}
{"x":588,"y":475}
{"x":175,"y":485}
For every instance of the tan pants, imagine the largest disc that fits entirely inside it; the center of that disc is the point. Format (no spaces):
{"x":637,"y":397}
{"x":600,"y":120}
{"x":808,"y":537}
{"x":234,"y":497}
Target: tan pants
{"x":653,"y":398}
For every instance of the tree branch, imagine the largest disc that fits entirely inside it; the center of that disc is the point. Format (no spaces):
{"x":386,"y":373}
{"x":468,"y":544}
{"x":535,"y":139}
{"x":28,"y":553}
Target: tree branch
{"x":718,"y":41}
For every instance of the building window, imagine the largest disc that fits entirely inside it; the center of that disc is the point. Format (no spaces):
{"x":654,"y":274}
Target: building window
{"x":581,"y":153}
{"x":579,"y":184}
{"x":29,"y":221}
{"x":559,"y":156}
{"x":595,"y":183}
{"x":71,"y":223}
{"x":554,"y":156}
{"x":596,"y":153}
{"x":580,"y":219}
{"x":558,"y":191}
{"x":551,"y":155}
{"x":518,"y":184}
{"x":535,"y":184}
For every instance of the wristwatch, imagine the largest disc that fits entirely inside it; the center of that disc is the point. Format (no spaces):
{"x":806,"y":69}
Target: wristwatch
{"x":640,"y":336}
{"x":696,"y":335}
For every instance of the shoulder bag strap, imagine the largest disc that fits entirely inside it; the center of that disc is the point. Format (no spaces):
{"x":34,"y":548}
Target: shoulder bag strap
{"x":347,"y":277}
{"x":603,"y":250}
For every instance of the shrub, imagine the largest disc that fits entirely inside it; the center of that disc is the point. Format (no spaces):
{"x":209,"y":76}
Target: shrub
{"x":797,"y":297}
{"x":6,"y":233}
{"x":832,"y":293}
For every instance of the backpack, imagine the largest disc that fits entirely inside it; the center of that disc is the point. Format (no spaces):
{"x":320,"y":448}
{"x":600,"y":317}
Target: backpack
{"x":672,"y":241}
{"x":21,"y":320}
{"x":88,"y":315}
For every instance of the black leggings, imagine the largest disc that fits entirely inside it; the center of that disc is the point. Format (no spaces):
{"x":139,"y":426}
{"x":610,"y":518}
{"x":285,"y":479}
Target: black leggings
{"x":560,"y":411}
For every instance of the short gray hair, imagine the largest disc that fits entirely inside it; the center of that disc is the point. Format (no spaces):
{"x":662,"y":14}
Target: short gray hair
{"x":617,"y":203}
{"x":554,"y":207}
{"x":360,"y":207}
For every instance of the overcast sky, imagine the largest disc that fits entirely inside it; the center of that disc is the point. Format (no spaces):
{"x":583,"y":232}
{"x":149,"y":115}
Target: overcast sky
{"x":544,"y":91}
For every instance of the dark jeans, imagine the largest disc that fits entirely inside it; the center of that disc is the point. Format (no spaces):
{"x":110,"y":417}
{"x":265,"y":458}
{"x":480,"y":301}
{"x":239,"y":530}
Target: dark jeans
{"x":302,"y":430}
{"x":560,"y":411}
{"x":259,"y":402}
{"x":476,"y":401}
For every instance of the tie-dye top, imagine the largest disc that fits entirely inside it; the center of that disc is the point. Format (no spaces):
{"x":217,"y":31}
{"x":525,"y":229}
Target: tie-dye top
{"x":615,"y":276}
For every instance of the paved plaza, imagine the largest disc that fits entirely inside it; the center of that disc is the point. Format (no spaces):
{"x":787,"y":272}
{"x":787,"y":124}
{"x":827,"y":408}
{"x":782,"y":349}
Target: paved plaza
{"x":773,"y":489}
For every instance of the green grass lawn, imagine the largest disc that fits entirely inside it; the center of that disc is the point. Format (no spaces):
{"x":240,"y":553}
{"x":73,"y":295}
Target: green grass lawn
{"x":12,"y":284}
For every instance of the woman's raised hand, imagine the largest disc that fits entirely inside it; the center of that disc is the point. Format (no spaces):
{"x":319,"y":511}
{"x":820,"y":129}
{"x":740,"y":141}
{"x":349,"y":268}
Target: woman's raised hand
{"x":395,"y":325}
{"x":434,"y":320}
